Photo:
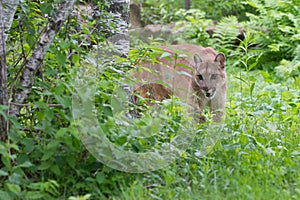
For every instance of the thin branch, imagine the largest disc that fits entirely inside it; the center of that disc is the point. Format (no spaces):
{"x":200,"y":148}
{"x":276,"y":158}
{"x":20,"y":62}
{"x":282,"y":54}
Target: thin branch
{"x":38,"y":55}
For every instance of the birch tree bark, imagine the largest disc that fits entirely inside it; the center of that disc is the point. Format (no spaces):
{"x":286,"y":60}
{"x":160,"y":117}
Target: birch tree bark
{"x":119,"y":10}
{"x":28,"y":74}
{"x":7,"y":11}
{"x":3,"y":78}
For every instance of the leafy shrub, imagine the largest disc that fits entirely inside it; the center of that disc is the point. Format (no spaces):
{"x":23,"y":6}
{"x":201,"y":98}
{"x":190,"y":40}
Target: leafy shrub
{"x":217,"y":9}
{"x":161,"y":11}
{"x":278,"y":33}
{"x":274,"y":32}
{"x":166,"y":11}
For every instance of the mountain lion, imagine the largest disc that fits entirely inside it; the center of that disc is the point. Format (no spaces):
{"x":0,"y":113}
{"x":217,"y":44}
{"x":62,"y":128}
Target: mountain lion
{"x":193,"y":73}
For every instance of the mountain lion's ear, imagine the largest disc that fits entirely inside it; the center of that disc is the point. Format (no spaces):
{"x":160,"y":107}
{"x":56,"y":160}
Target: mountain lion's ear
{"x":221,"y":59}
{"x":197,"y":59}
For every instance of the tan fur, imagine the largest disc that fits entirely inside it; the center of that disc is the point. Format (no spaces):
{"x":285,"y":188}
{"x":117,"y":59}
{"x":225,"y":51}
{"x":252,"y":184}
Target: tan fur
{"x":153,"y":91}
{"x":180,"y":75}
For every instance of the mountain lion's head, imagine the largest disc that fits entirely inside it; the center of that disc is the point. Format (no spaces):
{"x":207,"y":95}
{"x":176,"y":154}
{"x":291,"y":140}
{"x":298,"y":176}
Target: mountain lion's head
{"x":209,"y":76}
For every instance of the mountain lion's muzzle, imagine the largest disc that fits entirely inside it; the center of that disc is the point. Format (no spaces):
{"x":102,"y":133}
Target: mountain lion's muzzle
{"x":209,"y":93}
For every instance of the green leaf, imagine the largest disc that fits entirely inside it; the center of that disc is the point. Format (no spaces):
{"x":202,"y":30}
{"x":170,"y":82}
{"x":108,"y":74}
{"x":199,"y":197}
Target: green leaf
{"x":71,"y":161}
{"x":59,"y":89}
{"x":29,"y":144}
{"x":100,"y":178}
{"x":3,"y":150}
{"x":17,"y":176}
{"x":2,"y":113}
{"x":35,"y":195}
{"x":49,"y":114}
{"x":26,"y":164}
{"x":61,"y":58}
{"x":55,"y":169}
{"x":181,"y":56}
{"x":65,"y":101}
{"x":51,"y":149}
{"x":69,"y":142}
{"x":252,"y":87}
{"x":61,"y":132}
{"x":85,"y":197}
{"x":295,"y":153}
{"x":165,"y":54}
{"x":184,"y":73}
{"x":64,"y":45}
{"x":75,"y":59}
{"x":252,"y":4}
{"x":46,"y":8}
{"x":5,"y":195}
{"x":3,"y":173}
{"x":13,"y":187}
{"x":53,"y":144}
{"x":45,"y":165}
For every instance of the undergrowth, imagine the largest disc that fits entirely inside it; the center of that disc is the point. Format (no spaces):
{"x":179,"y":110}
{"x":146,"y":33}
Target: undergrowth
{"x":254,"y":154}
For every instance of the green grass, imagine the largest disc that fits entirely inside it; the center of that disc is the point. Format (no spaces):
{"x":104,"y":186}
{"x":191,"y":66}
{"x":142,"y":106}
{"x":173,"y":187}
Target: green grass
{"x":257,"y":155}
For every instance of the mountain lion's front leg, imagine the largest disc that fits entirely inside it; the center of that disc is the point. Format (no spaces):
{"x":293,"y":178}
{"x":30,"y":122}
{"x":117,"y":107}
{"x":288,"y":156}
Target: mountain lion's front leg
{"x":201,"y":105}
{"x":217,"y":107}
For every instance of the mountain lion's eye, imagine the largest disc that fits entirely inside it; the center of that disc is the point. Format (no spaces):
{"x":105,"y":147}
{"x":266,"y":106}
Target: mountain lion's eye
{"x":200,"y":77}
{"x":214,"y":76}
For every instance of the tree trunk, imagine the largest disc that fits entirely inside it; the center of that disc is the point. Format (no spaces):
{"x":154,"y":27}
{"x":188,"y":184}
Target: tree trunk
{"x":187,"y":4}
{"x":38,"y":54}
{"x":119,"y":10}
{"x":8,"y":13}
{"x":3,"y":79}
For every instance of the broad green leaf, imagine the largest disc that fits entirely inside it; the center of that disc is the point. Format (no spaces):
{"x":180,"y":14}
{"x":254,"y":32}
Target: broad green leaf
{"x":61,"y":132}
{"x":26,"y":164}
{"x":45,"y":165}
{"x":61,"y":58}
{"x":100,"y":178}
{"x":3,"y":149}
{"x":75,"y":59}
{"x":165,"y":54}
{"x":29,"y":144}
{"x":46,"y":8}
{"x":13,"y":187}
{"x":71,"y":160}
{"x":65,"y":101}
{"x":35,"y":195}
{"x":5,"y":195}
{"x":53,"y":144}
{"x":55,"y":169}
{"x":3,"y":173}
